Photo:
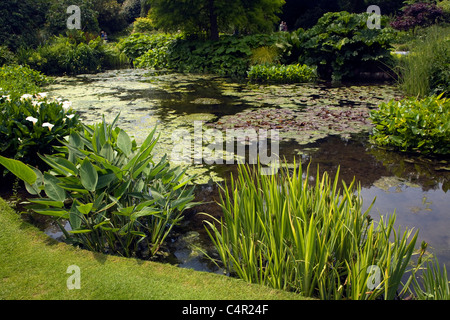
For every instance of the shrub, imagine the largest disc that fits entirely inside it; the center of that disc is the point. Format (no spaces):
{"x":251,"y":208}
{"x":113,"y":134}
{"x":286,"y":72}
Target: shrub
{"x":74,"y":53}
{"x":142,"y":25}
{"x":281,"y":231}
{"x":341,"y":45}
{"x":282,"y":74}
{"x":137,"y":44}
{"x":115,"y":197}
{"x":418,"y":15}
{"x":413,"y":125}
{"x":32,"y":125}
{"x":6,"y":56}
{"x":16,"y":80}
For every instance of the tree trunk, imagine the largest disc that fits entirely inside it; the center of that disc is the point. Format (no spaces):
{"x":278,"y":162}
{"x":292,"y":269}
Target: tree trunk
{"x":213,"y":26}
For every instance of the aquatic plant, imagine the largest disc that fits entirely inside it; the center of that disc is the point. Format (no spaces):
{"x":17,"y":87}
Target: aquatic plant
{"x":417,"y":125}
{"x":115,"y":197}
{"x":294,"y":73}
{"x":341,"y":45}
{"x":282,"y":231}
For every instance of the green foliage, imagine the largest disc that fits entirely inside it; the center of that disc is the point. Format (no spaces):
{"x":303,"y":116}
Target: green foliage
{"x":6,"y":56}
{"x":426,"y":70}
{"x":137,"y":44}
{"x":230,"y":55}
{"x":282,"y":73}
{"x":142,"y":25}
{"x":341,"y":45}
{"x":76,"y":53}
{"x":414,"y":125}
{"x":20,"y":22}
{"x":32,"y":125}
{"x":283,"y":232}
{"x":435,"y":284}
{"x":214,"y":16}
{"x":114,"y":195}
{"x":16,"y":80}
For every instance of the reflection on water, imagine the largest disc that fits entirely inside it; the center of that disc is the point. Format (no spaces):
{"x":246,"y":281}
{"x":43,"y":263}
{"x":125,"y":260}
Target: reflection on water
{"x":416,"y":189}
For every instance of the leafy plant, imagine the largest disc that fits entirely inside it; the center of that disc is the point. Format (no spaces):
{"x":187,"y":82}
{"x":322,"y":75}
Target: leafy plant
{"x":75,"y":53}
{"x":33,"y":124}
{"x":435,"y":284}
{"x":341,"y":45}
{"x":425,"y":70}
{"x":142,"y":25}
{"x":419,"y":14}
{"x":115,"y":197}
{"x":413,"y":125}
{"x":16,"y":80}
{"x":280,"y":231}
{"x":282,"y":74}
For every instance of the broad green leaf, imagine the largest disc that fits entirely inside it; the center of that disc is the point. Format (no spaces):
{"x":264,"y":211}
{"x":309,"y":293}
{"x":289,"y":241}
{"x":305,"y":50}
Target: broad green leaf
{"x":48,"y":202}
{"x":57,"y":213}
{"x":124,"y":142}
{"x":88,"y":174}
{"x":52,"y":189}
{"x":85,"y":208}
{"x":19,"y":169}
{"x":75,"y":217}
{"x":105,"y":180}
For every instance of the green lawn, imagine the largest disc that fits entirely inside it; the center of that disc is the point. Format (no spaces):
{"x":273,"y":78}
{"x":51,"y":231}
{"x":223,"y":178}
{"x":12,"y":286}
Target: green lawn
{"x":33,"y":266}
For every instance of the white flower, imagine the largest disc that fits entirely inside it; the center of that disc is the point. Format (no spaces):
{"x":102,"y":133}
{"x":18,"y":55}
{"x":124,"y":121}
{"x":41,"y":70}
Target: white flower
{"x":49,"y":125}
{"x":8,"y":98}
{"x":26,"y":96}
{"x":32,"y":119}
{"x":70,"y":116}
{"x":66,"y":105}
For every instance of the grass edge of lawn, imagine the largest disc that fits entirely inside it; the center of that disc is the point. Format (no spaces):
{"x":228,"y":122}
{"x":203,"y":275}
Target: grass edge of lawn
{"x":34,"y":267}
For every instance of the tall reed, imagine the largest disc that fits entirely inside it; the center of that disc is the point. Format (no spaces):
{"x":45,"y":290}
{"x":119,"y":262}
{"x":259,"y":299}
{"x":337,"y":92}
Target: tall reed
{"x":313,"y":238}
{"x":425,"y":70}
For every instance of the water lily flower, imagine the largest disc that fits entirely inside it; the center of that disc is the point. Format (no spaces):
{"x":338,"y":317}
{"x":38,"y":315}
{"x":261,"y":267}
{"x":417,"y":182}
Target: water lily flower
{"x":32,"y":119}
{"x":49,"y":125}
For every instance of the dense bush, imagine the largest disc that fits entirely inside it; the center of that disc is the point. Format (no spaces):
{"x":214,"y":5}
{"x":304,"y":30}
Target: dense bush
{"x":293,"y":73}
{"x":16,"y":80}
{"x":117,"y":198}
{"x":341,"y":45}
{"x":137,"y":44}
{"x":142,"y":25}
{"x":413,"y":125}
{"x":418,"y":15}
{"x":32,"y":125}
{"x":75,"y":53}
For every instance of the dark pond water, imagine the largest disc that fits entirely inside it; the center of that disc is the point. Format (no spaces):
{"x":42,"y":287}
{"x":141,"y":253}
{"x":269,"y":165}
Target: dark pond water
{"x":335,"y":135}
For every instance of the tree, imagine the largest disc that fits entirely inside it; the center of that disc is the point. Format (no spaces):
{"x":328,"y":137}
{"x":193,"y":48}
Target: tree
{"x":214,"y":16}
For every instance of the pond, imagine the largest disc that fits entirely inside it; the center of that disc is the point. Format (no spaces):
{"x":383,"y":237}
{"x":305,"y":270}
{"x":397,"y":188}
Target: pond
{"x":317,"y":124}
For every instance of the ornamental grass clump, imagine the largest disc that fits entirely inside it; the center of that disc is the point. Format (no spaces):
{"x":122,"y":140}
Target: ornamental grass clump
{"x":284,"y":232}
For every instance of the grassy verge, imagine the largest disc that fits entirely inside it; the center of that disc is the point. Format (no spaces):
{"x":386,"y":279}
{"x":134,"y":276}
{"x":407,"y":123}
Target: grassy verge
{"x":34,"y":266}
